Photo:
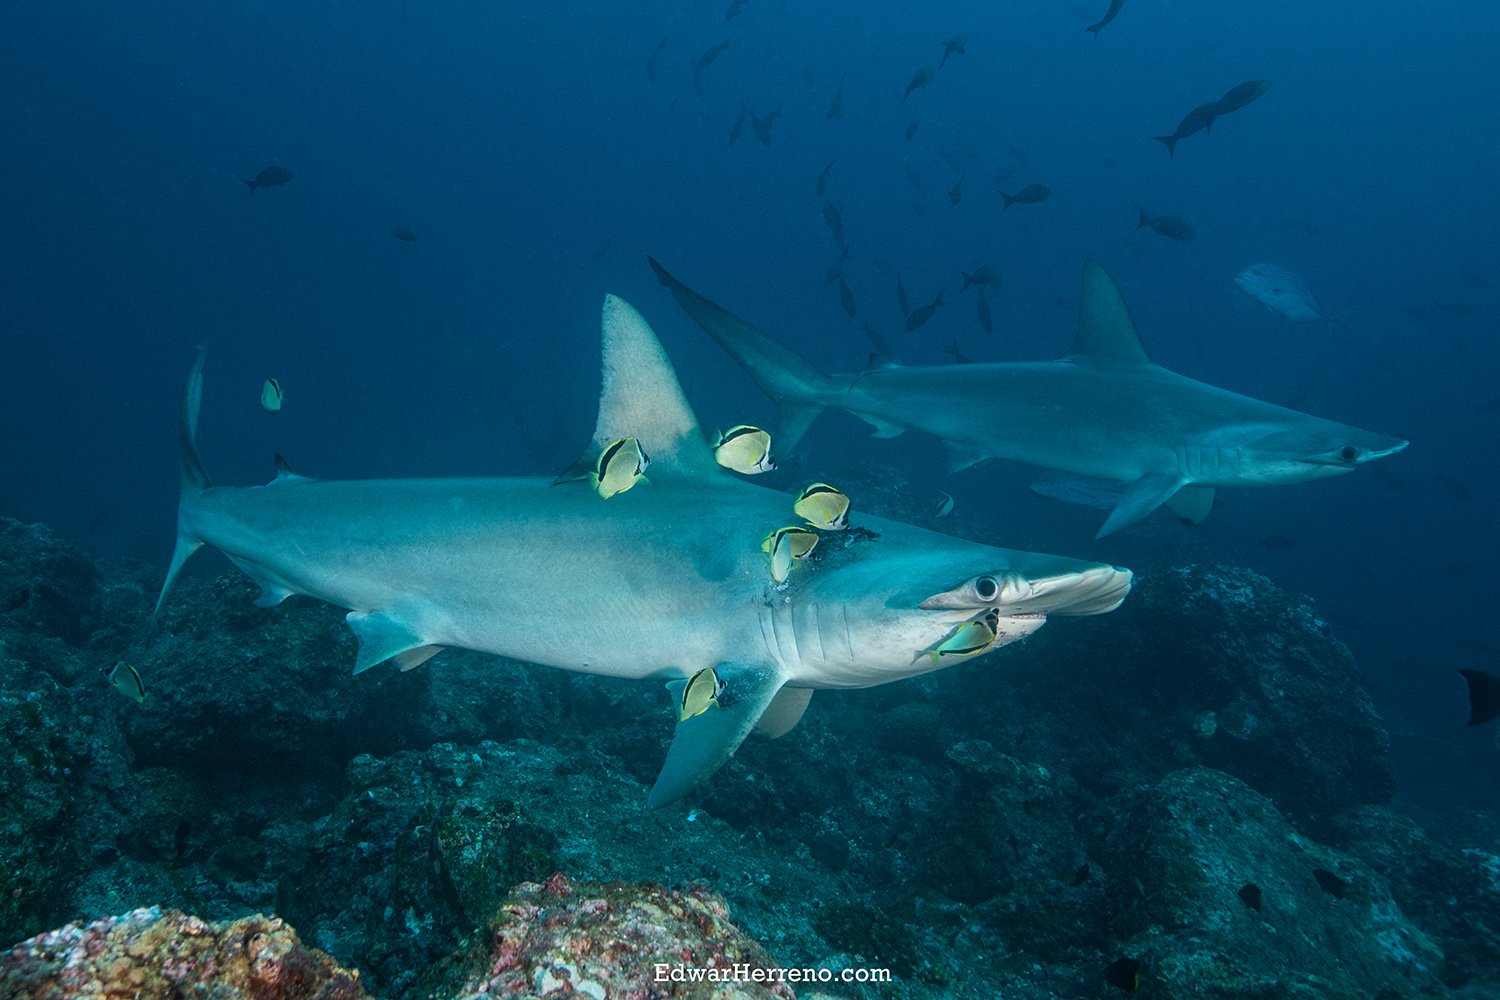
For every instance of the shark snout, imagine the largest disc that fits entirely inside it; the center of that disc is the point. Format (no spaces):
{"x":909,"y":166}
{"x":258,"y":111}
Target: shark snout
{"x":1089,"y":589}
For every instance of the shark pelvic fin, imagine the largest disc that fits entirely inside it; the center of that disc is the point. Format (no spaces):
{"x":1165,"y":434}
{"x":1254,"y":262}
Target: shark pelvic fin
{"x":1141,"y":497}
{"x":641,"y":397}
{"x":1106,"y":333}
{"x":704,"y":742}
{"x":784,"y":712}
{"x":383,"y":637}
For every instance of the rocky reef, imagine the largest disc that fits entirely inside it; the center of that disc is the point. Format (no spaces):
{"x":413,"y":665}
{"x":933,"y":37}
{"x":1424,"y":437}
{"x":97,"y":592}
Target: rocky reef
{"x":1194,"y":790}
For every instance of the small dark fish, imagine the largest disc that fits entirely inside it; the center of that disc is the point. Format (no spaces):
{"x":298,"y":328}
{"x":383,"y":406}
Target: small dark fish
{"x":269,"y":177}
{"x":1109,"y":15}
{"x":709,"y":55}
{"x":984,"y":312}
{"x":835,"y":224}
{"x":1239,"y":96}
{"x":735,"y":6}
{"x":651,"y":60}
{"x":15,"y":599}
{"x":846,"y":299}
{"x":959,"y":357}
{"x":955,"y":47}
{"x":1484,"y":696}
{"x":1250,"y":895}
{"x":823,"y":179}
{"x":1028,"y":195}
{"x":836,"y":108}
{"x":981,"y":276}
{"x":738,"y":126}
{"x":922,"y":79}
{"x":836,"y":269}
{"x":911,"y":130}
{"x":1124,"y":974}
{"x":1080,"y":876}
{"x":762,"y":126}
{"x":1169,"y":226}
{"x":98,"y":519}
{"x":901,"y":299}
{"x":1331,"y":883}
{"x":1278,"y":542}
{"x":602,"y":251}
{"x":1200,"y":119}
{"x":956,"y":192}
{"x":405,"y":234}
{"x":920,"y":316}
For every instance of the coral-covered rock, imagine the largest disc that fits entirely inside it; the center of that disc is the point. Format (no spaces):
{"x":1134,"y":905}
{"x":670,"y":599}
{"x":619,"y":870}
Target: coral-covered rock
{"x":1227,"y":900}
{"x":589,"y":941}
{"x":149,"y":954}
{"x":47,"y":586}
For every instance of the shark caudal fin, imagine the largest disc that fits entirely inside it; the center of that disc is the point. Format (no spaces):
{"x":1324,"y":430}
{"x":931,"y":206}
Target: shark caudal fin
{"x":799,"y":390}
{"x":194,"y":478}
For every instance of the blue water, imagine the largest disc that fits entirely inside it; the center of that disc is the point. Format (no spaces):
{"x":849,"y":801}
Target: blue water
{"x":521,"y":141}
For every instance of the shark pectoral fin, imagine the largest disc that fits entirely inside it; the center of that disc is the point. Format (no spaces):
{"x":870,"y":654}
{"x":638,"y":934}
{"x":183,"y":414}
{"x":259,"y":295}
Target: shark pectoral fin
{"x":1192,"y":504}
{"x":964,"y":456}
{"x":881,"y":428}
{"x":1141,"y":498}
{"x":382,"y":637}
{"x":704,"y":742}
{"x":783,"y":714}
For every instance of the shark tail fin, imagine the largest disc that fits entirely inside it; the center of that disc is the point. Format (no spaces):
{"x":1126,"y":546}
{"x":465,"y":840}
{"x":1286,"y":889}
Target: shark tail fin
{"x":798,"y":389}
{"x":194,"y":479}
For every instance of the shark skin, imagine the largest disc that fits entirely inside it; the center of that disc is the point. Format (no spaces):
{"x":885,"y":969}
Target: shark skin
{"x":658,"y":582}
{"x":1105,"y":411}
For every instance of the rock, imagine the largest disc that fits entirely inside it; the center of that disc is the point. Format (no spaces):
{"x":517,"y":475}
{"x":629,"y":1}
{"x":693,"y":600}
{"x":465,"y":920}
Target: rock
{"x":155,"y":955}
{"x":1178,"y":858}
{"x":47,"y":585}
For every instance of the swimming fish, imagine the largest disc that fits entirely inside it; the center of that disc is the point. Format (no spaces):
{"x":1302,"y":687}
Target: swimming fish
{"x":620,"y":467}
{"x":709,"y":55}
{"x":922,"y":78}
{"x":1169,"y":226}
{"x":127,"y":680}
{"x":1109,"y":15}
{"x":1484,"y":696}
{"x":786,"y":547}
{"x":922,"y":314}
{"x":968,"y":639}
{"x":269,"y":177}
{"x":984,"y":312}
{"x":823,"y":507}
{"x":738,"y":126}
{"x":699,"y":694}
{"x":1200,"y":119}
{"x":981,"y":276}
{"x":762,"y":126}
{"x":846,"y":299}
{"x":745,"y":449}
{"x":954,"y":47}
{"x":836,"y":107}
{"x":1280,"y":291}
{"x":911,"y":129}
{"x":735,"y":6}
{"x":823,"y":179}
{"x":1238,"y":96}
{"x":271,"y":396}
{"x":405,"y":234}
{"x":835,"y":223}
{"x":1028,"y":195}
{"x":836,"y":269}
{"x":944,"y":505}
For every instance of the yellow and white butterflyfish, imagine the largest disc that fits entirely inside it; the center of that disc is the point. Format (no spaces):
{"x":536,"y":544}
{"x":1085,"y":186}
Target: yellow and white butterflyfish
{"x":620,"y":466}
{"x":271,"y":396}
{"x":970,"y":638}
{"x":823,"y":507}
{"x":745,"y":449}
{"x":699,"y":694}
{"x":125,"y":679}
{"x":786,"y":547}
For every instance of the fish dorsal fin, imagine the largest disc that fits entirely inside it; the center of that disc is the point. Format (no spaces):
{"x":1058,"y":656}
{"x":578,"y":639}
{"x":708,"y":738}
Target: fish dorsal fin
{"x":284,"y":473}
{"x":1106,"y":333}
{"x":641,"y":396}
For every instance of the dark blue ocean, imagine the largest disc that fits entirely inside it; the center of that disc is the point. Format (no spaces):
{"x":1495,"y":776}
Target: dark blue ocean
{"x":540,"y":152}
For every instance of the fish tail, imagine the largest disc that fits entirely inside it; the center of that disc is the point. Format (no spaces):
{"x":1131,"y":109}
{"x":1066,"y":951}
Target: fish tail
{"x":248,"y":184}
{"x":194,"y":479}
{"x":1170,"y":141}
{"x":1145,"y":219}
{"x":1009,"y":201}
{"x":799,"y":390}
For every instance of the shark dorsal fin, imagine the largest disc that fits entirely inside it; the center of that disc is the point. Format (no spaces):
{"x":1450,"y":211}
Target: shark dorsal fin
{"x":641,"y":396}
{"x":1106,"y":333}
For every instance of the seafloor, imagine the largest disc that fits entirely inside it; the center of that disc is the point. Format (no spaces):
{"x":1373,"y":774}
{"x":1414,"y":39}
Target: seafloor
{"x":1196,"y":782}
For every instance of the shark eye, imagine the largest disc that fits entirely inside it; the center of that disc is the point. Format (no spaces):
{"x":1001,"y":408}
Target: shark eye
{"x":1349,"y":453}
{"x":986,"y":588}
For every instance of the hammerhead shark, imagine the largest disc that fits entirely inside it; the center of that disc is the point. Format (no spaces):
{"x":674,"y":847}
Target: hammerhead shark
{"x":666,"y":580}
{"x":1105,"y":410}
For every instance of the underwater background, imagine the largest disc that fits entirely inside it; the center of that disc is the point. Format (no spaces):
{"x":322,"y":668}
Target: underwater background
{"x":538,"y":153}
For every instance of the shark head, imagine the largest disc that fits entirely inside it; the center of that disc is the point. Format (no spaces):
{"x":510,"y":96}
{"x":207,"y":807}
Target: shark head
{"x":1310,"y":448}
{"x":878,"y":609}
